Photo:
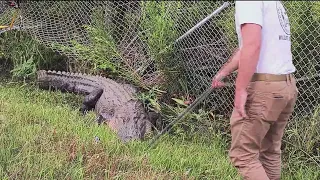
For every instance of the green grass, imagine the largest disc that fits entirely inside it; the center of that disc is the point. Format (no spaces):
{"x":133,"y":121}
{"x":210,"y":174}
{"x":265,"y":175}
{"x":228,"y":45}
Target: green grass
{"x":43,"y":136}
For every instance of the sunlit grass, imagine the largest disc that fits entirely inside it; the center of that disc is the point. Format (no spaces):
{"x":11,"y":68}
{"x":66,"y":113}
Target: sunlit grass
{"x":43,"y":136}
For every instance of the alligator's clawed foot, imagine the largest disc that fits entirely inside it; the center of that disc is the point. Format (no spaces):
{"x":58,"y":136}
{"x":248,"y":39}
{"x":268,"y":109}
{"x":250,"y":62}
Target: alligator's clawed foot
{"x":84,"y":110}
{"x":104,"y":117}
{"x":99,"y":119}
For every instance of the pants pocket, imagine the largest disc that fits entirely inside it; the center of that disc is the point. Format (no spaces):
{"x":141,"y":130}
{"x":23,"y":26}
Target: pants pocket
{"x":273,"y":105}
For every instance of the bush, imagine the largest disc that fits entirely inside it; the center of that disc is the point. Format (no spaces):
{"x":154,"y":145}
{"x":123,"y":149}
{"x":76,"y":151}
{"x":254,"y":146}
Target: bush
{"x":26,"y":54}
{"x":305,"y":35}
{"x":157,"y":30}
{"x":146,"y":58}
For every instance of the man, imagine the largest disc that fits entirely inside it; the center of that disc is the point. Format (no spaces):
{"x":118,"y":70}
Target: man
{"x":265,"y":92}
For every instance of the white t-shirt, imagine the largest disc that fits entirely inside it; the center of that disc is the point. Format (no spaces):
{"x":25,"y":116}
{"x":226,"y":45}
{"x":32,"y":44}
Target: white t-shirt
{"x":275,"y":54}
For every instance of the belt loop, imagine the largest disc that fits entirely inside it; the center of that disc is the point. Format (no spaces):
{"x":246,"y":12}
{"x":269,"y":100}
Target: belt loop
{"x":291,"y":78}
{"x":288,"y":79}
{"x":267,"y":77}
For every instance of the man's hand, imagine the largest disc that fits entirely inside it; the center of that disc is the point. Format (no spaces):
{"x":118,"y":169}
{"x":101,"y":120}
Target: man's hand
{"x":240,"y":101}
{"x":230,"y":66}
{"x":217,"y":80}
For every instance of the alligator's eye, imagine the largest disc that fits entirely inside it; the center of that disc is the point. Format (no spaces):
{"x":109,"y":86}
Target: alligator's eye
{"x":107,"y":116}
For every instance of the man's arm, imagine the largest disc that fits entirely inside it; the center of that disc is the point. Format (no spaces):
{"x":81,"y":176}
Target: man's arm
{"x":249,"y":56}
{"x":230,"y":66}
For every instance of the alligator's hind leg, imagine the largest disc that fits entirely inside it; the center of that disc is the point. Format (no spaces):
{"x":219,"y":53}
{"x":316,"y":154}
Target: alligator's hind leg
{"x":90,"y":100}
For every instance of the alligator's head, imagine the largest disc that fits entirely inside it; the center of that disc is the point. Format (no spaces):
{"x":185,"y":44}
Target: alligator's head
{"x":130,"y":122}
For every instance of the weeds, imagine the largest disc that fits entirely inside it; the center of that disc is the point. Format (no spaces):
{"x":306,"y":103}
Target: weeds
{"x":302,"y":140}
{"x":151,"y":99}
{"x":159,"y":34}
{"x":43,"y":136}
{"x":102,"y":53}
{"x":99,"y":54}
{"x":26,"y":54}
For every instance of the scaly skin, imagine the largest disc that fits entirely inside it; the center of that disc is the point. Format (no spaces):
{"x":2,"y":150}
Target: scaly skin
{"x":114,"y":103}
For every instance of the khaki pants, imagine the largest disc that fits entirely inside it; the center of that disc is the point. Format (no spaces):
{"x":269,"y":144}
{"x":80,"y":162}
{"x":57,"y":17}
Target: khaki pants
{"x":256,"y":140}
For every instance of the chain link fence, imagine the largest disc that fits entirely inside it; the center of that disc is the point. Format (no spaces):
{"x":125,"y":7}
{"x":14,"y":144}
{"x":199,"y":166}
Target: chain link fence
{"x":177,"y":44}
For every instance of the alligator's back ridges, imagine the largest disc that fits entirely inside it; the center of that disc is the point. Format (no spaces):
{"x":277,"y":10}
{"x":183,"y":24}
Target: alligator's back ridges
{"x":79,"y":77}
{"x":117,"y":93}
{"x":90,"y":81}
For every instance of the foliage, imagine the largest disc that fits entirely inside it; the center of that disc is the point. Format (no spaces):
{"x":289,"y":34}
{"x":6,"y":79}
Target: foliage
{"x":151,"y":99}
{"x":193,"y":12}
{"x":101,"y":51}
{"x":302,"y":139}
{"x":305,"y":35}
{"x":26,"y":54}
{"x":158,"y":26}
{"x":158,"y":32}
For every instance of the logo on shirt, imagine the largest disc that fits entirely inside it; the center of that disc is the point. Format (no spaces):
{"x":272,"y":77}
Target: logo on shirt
{"x":283,"y":18}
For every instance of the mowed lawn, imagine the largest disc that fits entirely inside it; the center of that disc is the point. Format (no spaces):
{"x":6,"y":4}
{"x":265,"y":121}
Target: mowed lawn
{"x":43,"y":136}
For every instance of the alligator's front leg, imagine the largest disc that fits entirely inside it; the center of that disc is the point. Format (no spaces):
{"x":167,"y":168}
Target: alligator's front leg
{"x":90,"y":100}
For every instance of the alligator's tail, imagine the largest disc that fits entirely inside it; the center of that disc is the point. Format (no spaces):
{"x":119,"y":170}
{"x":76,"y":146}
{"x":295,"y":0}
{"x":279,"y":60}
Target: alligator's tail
{"x":70,"y":82}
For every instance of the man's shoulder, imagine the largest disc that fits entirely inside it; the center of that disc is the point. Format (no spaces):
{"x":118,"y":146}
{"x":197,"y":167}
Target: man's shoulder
{"x":243,"y":6}
{"x":249,"y":2}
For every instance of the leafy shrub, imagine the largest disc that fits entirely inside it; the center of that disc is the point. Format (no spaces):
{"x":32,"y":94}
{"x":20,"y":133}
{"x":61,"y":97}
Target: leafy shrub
{"x":305,"y":35}
{"x":99,"y":53}
{"x":26,"y":54}
{"x":104,"y":51}
{"x":158,"y":32}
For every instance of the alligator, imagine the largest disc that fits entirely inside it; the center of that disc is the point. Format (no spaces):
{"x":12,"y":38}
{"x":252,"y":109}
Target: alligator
{"x":114,"y":103}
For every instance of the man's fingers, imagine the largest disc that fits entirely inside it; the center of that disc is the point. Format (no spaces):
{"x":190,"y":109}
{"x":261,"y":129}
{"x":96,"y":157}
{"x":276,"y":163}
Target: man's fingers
{"x":241,"y":112}
{"x":214,"y":83}
{"x":217,"y":84}
{"x":217,"y":80}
